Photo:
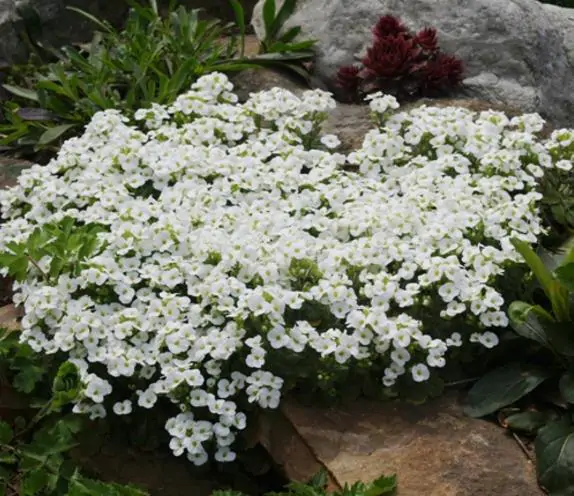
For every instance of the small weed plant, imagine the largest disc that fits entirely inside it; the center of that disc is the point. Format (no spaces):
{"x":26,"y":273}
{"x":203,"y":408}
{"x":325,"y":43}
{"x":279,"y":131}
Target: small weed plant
{"x":212,"y":256}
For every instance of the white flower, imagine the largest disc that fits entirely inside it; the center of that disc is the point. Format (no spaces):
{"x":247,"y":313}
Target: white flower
{"x":564,"y":165}
{"x":488,"y":339}
{"x":146,"y":399}
{"x":122,"y":407}
{"x":330,"y":141}
{"x":420,"y":372}
{"x":227,"y":244}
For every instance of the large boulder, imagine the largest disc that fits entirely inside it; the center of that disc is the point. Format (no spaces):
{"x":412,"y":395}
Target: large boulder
{"x":516,"y":52}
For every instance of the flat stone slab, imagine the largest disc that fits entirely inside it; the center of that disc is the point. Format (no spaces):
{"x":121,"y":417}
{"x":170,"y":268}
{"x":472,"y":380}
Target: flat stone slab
{"x":434,"y":449}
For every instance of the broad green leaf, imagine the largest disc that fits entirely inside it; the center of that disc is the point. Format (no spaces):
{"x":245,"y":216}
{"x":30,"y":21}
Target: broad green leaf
{"x":566,"y":385}
{"x":528,"y":421}
{"x":560,"y":335}
{"x":554,"y":448}
{"x":6,"y":433}
{"x":53,"y":133}
{"x":502,"y":387}
{"x":21,"y":92}
{"x":565,"y":274}
{"x":523,"y":318}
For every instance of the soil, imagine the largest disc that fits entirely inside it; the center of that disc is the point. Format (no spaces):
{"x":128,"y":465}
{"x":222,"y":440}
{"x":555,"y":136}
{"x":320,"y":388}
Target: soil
{"x":109,"y":455}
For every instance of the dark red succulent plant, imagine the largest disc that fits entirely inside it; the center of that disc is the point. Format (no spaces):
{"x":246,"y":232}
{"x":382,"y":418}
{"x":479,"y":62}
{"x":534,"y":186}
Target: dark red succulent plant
{"x":403,"y":64}
{"x":348,"y":79}
{"x":389,"y":25}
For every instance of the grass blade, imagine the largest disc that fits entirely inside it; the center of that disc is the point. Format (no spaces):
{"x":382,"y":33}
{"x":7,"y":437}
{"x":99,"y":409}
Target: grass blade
{"x":104,"y":25}
{"x":240,"y":21}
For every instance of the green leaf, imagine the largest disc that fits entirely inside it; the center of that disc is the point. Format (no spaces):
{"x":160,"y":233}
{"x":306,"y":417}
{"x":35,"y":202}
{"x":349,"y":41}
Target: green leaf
{"x":26,"y":379}
{"x":320,"y":479}
{"x":6,"y":433}
{"x":566,"y":385}
{"x":502,"y":387}
{"x":291,"y":34}
{"x":53,"y":133}
{"x":554,"y":448}
{"x":21,"y":92}
{"x":239,"y":15}
{"x":34,"y":481}
{"x":565,"y":274}
{"x":553,"y":288}
{"x":8,"y":458}
{"x":268,"y":17}
{"x":384,"y":485}
{"x":561,"y":337}
{"x":525,"y":323}
{"x":529,"y":421}
{"x":5,"y":475}
{"x":83,"y":486}
{"x":66,"y":385}
{"x":544,"y":276}
{"x":285,"y":12}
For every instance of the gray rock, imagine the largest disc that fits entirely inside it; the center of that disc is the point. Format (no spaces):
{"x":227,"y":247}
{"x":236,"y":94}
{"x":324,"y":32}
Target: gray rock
{"x":262,"y":79}
{"x":516,"y":52}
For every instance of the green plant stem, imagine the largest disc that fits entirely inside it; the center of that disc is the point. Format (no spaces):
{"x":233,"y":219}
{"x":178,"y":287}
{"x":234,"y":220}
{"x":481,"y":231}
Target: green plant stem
{"x":45,"y":410}
{"x":35,"y":264}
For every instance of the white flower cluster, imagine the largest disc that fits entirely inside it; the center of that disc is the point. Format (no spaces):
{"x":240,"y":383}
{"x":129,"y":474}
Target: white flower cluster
{"x":224,"y":222}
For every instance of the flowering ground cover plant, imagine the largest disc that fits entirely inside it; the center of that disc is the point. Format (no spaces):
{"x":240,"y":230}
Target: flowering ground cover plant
{"x":211,"y":256}
{"x":403,"y":64}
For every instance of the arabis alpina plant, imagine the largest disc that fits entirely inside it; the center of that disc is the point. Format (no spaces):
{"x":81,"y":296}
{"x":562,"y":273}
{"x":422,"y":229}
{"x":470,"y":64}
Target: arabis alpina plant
{"x":233,"y":240}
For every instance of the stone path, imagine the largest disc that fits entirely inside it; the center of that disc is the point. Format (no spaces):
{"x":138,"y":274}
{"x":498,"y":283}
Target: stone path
{"x":434,"y":449}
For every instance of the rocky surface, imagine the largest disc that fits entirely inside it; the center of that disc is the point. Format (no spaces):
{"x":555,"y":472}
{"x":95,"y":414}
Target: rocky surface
{"x":517,"y":52}
{"x":434,"y":449}
{"x":350,"y":122}
{"x":10,"y":169}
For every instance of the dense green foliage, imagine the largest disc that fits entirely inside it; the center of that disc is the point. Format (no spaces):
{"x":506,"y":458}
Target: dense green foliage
{"x":150,"y":61}
{"x":383,"y":486}
{"x":36,"y":441}
{"x":549,"y":325}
